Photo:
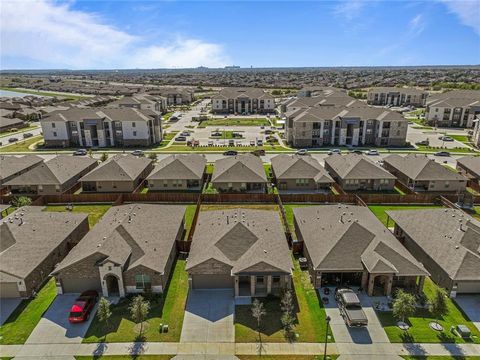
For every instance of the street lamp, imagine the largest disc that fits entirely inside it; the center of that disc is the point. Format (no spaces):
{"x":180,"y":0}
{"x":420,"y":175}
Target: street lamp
{"x":327,"y":319}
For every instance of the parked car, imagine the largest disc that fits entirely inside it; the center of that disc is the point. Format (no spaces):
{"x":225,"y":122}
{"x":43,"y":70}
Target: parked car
{"x":138,"y":153}
{"x":355,"y":151}
{"x":446,"y":138}
{"x":302,"y":152}
{"x":350,"y":307}
{"x":80,"y":152}
{"x":334,"y":151}
{"x":259,"y":142}
{"x":82,"y":307}
{"x":12,"y":139}
{"x":258,"y":152}
{"x":252,"y":142}
{"x":181,"y":138}
{"x":423,"y":142}
{"x":210,"y":143}
{"x":27,"y":135}
{"x":230,"y":153}
{"x":372,"y":152}
{"x":442,"y":153}
{"x":184,"y":133}
{"x":216,"y":134}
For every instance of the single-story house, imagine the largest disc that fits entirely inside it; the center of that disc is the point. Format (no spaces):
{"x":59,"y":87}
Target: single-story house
{"x":420,"y":173}
{"x":32,"y":242}
{"x":51,"y":177}
{"x":300,"y":174}
{"x":469,"y":166}
{"x":241,"y":249}
{"x":446,"y":242}
{"x":130,"y":250}
{"x":241,"y":173}
{"x":178,"y":172}
{"x":11,"y":123}
{"x":348,"y":245}
{"x":357,"y":172}
{"x":120,"y":173}
{"x":12,"y":166}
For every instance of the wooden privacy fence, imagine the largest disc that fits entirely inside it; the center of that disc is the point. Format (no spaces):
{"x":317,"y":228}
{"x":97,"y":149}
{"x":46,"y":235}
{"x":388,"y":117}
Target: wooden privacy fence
{"x":318,"y":198}
{"x":404,"y":188}
{"x":239,"y":198}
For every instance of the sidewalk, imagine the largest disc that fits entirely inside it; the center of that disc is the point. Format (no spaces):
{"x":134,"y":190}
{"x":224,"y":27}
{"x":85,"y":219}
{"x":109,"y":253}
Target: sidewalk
{"x":157,"y":348}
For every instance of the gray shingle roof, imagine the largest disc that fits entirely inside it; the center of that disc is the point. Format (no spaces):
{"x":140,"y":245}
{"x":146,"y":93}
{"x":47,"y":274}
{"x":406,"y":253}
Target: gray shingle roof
{"x":4,"y":122}
{"x":142,"y":233}
{"x":11,"y":165}
{"x":55,"y":171}
{"x":113,"y":114}
{"x":364,"y":113}
{"x":419,"y":167}
{"x":191,"y":166}
{"x":118,"y":168}
{"x":450,"y":237}
{"x":355,"y":166}
{"x":351,"y":238}
{"x":234,"y":93}
{"x":299,"y":167}
{"x":242,"y":239}
{"x":241,"y":168}
{"x":24,"y":247}
{"x":472,"y":163}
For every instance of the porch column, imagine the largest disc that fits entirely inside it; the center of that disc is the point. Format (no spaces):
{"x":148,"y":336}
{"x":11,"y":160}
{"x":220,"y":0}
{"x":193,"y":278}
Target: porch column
{"x":237,"y":289}
{"x":371,"y":281}
{"x":253,"y":282}
{"x":269,"y":284}
{"x":364,"y":280}
{"x":388,"y":285}
{"x":421,"y":282}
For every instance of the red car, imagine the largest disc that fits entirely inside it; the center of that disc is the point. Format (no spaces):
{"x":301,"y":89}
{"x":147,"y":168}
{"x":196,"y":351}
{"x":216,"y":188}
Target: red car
{"x":83,"y":305}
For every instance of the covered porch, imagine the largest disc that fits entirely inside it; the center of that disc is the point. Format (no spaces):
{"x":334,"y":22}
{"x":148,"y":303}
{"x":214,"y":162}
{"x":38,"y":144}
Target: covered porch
{"x":259,"y":285}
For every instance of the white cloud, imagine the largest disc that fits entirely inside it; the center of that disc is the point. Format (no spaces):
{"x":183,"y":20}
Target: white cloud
{"x":416,"y":25}
{"x":349,"y":9}
{"x":468,"y":11}
{"x":46,"y":32}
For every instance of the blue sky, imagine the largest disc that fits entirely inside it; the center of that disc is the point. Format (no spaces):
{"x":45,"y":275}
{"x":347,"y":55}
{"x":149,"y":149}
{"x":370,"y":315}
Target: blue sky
{"x":157,"y":34}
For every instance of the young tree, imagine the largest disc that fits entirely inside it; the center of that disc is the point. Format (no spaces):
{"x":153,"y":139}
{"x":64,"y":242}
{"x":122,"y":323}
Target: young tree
{"x":288,"y":308}
{"x":258,"y":311}
{"x":21,"y":201}
{"x":104,"y":311}
{"x":139,"y":309}
{"x":438,"y":304}
{"x":104,"y":157}
{"x":153,"y":157}
{"x":90,"y":153}
{"x":404,"y":305}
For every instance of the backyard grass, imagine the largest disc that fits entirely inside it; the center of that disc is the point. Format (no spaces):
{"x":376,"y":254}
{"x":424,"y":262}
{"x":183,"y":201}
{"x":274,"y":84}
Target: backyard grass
{"x":379,"y":210}
{"x":239,"y":206}
{"x":476,"y":214}
{"x":234,"y":122}
{"x":310,"y":316}
{"x":95,"y":212}
{"x":169,"y":309}
{"x":26,"y":316}
{"x":420,"y":331}
{"x":209,"y":168}
{"x":21,"y":145}
{"x":189,"y":214}
{"x":125,"y":357}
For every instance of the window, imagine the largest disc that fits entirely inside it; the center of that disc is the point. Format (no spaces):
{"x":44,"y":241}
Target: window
{"x":276,"y":279}
{"x":260,"y":280}
{"x":133,"y":124}
{"x":134,"y":133}
{"x":143,"y":282}
{"x":55,"y":134}
{"x":54,"y":125}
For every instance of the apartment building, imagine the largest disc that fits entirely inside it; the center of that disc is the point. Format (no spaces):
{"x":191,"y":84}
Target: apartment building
{"x":345,"y":126}
{"x":395,"y":96}
{"x":102,"y":127}
{"x":142,"y":102}
{"x":243,"y":101}
{"x":453,"y":108}
{"x":476,"y":133}
{"x":175,"y":96}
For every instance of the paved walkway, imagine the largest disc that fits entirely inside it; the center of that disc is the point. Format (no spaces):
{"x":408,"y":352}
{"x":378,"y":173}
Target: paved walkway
{"x":7,"y":305}
{"x":209,"y":317}
{"x":470,"y":305}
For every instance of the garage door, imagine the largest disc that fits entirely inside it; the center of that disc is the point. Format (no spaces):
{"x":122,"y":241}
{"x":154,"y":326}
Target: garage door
{"x":212,"y":281}
{"x":80,"y":285}
{"x":9,"y":290}
{"x":468,"y":287}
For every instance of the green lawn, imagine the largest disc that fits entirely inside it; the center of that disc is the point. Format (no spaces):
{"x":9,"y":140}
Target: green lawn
{"x":167,"y":310}
{"x":461,"y":138}
{"x":21,"y":145}
{"x":234,"y":122}
{"x":26,"y":316}
{"x":176,"y":148}
{"x":209,"y":168}
{"x":379,"y":210}
{"x":286,"y":357}
{"x":420,"y":332}
{"x":46,"y":93}
{"x":310,"y":316}
{"x":438,"y":357}
{"x":170,"y":135}
{"x":421,"y":127}
{"x":95,"y":212}
{"x":228,"y":135}
{"x":424,"y":148}
{"x":20,"y":130}
{"x":189,"y":213}
{"x":125,"y":357}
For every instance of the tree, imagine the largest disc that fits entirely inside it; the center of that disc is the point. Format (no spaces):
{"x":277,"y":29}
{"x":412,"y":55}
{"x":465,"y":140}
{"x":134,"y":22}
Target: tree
{"x":153,"y":156}
{"x":139,"y":309}
{"x":104,"y":157}
{"x":21,"y":201}
{"x":288,"y":308}
{"x":404,"y":305}
{"x":104,"y":311}
{"x":438,"y":304}
{"x":258,"y":311}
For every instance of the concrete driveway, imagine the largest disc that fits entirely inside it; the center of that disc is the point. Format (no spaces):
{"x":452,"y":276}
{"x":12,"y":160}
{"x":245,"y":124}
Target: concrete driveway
{"x":54,"y":327}
{"x":209,"y":317}
{"x":373,"y":333}
{"x":7,"y":306}
{"x":470,"y":305}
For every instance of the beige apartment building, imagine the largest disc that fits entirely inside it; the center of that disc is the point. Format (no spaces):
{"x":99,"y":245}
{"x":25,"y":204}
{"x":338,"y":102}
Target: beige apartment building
{"x":243,"y":101}
{"x":453,"y":109}
{"x":396,"y":96}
